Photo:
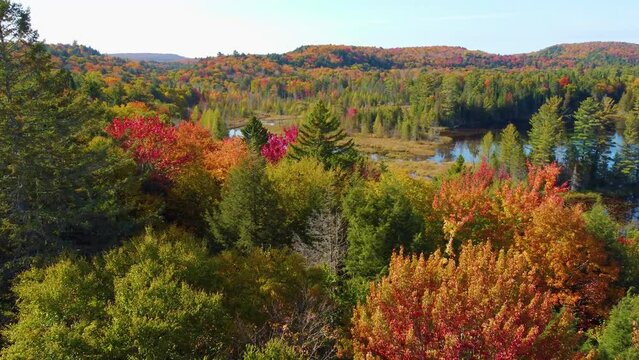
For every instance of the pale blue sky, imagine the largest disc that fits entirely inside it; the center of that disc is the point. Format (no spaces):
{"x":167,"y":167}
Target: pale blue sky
{"x":200,"y":28}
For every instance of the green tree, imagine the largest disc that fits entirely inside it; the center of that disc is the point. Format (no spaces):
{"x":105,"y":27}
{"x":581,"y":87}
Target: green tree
{"x":255,"y":135}
{"x":588,"y":144}
{"x":380,"y":220}
{"x":619,"y":337}
{"x":511,"y":152}
{"x":546,"y":131}
{"x":322,"y":138}
{"x":196,"y":114}
{"x":487,"y":143}
{"x":61,"y":183}
{"x":630,"y":149}
{"x":213,"y":121}
{"x":378,"y":126}
{"x":250,"y":213}
{"x":146,"y":299}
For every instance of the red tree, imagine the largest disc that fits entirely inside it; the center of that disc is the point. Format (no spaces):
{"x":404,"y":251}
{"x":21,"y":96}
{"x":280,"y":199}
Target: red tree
{"x":276,"y":147}
{"x":487,"y":305}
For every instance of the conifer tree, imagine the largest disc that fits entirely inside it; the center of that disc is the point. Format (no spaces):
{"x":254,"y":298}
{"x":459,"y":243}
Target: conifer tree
{"x":255,"y":135}
{"x":590,"y":143}
{"x":511,"y":152}
{"x":322,"y":138}
{"x":630,"y":150}
{"x":195,"y":114}
{"x":546,"y":132}
{"x":378,"y":127}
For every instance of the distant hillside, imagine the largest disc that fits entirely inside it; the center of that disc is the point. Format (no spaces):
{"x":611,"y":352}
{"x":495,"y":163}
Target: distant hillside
{"x":588,"y":54}
{"x":151,"y":57}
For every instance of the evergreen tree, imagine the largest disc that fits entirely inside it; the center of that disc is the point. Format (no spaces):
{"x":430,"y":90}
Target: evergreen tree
{"x":378,"y":126}
{"x":255,"y":135}
{"x":511,"y":152}
{"x":487,"y":146}
{"x":590,"y":143}
{"x":546,"y":132}
{"x":322,"y":138}
{"x":629,"y":162}
{"x":218,"y":126}
{"x":212,"y":120}
{"x":250,"y":213}
{"x":196,"y":114}
{"x":61,"y":183}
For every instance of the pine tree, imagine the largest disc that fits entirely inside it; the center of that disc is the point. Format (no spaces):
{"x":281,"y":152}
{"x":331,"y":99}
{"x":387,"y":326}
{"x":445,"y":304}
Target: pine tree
{"x":546,"y":131}
{"x":255,"y":135}
{"x":590,"y":143}
{"x":322,"y":138}
{"x":511,"y":152}
{"x":629,"y":162}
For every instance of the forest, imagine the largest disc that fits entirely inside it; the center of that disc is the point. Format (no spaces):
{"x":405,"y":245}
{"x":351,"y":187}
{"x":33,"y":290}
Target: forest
{"x":225,"y":207}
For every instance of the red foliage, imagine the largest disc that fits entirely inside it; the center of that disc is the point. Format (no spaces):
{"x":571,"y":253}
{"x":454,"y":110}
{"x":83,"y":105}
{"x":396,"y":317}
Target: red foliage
{"x":275,"y":149}
{"x":564,"y":81}
{"x":167,"y":150}
{"x":149,"y":140}
{"x":488,"y":305}
{"x":531,"y":215}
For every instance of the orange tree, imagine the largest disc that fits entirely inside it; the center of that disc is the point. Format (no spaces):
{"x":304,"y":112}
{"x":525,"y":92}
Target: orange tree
{"x":486,"y":305}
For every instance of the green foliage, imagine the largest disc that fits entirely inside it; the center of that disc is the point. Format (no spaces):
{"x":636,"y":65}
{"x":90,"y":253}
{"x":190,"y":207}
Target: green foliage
{"x":630,"y":149}
{"x":144,"y":300}
{"x":619,"y":338}
{"x":381,"y":219}
{"x":511,"y":152}
{"x":61,"y":184}
{"x":378,"y":127}
{"x":546,"y":131}
{"x":213,"y":121}
{"x":275,"y":349}
{"x":487,"y":143}
{"x":303,"y":187}
{"x":320,"y":137}
{"x":250,"y":212}
{"x":193,"y":194}
{"x":590,"y":142}
{"x":255,"y":135}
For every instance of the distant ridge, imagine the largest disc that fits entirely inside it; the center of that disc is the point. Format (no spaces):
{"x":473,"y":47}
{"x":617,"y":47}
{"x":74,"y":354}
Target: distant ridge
{"x":151,"y":57}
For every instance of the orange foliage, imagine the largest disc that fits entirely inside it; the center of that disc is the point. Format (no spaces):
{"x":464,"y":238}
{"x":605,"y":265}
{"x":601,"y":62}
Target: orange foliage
{"x":571,"y":261}
{"x":226,"y":154}
{"x":531,"y":215}
{"x":488,"y":305}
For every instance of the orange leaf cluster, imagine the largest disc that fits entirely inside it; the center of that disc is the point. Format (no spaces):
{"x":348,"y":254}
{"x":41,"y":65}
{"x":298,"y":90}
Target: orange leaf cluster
{"x":488,"y":305}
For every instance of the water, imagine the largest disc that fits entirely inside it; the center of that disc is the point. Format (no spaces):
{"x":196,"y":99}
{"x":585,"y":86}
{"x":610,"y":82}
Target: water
{"x":469,"y":147}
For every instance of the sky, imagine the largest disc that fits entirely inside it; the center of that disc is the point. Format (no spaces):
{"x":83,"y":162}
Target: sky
{"x":200,"y":28}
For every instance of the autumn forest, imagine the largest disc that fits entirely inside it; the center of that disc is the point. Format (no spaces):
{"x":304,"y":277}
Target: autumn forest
{"x":331,"y":202}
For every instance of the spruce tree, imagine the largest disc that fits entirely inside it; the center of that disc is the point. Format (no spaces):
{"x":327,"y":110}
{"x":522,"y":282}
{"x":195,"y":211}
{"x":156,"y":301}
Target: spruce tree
{"x":255,"y":135}
{"x":546,"y":131}
{"x":250,"y":213}
{"x":322,"y":138}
